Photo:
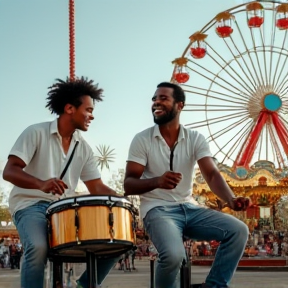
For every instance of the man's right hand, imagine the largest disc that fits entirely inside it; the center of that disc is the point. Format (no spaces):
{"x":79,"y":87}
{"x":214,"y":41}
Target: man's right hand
{"x":169,"y":180}
{"x":54,"y":186}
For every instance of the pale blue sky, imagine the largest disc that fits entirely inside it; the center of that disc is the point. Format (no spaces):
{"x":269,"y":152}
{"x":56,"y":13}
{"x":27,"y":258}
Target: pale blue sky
{"x":125,"y":45}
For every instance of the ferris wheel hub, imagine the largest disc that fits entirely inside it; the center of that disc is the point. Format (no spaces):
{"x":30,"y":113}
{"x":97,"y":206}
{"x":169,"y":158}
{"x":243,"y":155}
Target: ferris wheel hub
{"x":272,"y":102}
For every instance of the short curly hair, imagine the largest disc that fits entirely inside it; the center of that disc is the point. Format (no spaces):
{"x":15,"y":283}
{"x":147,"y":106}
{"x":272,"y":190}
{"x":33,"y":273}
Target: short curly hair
{"x":70,"y":92}
{"x":178,"y":92}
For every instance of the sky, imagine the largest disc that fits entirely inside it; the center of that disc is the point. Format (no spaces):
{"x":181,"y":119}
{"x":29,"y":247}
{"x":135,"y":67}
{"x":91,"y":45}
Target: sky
{"x":126,"y":46}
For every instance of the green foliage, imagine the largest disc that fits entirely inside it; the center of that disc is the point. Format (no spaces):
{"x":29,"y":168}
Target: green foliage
{"x":5,"y":214}
{"x":105,"y":157}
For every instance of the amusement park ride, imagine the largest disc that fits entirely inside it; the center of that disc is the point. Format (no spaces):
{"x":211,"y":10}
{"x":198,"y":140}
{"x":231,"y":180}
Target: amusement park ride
{"x":235,"y":74}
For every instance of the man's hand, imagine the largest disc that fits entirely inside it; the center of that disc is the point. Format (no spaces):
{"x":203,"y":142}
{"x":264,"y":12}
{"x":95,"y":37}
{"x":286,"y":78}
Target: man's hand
{"x":239,"y":203}
{"x":54,"y":186}
{"x":169,"y":180}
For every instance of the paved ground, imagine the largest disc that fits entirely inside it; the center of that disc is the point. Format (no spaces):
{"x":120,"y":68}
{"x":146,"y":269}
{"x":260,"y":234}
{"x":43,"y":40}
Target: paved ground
{"x":141,"y":277}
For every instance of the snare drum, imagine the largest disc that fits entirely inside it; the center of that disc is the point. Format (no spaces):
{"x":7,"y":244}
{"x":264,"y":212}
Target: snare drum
{"x":100,"y":224}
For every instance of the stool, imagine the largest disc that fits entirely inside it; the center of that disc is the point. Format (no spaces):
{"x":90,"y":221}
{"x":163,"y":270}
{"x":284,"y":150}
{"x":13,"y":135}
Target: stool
{"x":91,"y":266}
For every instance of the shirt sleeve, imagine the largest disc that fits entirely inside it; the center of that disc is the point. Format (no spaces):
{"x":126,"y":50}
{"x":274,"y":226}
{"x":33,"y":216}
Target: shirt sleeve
{"x":201,"y":148}
{"x":26,"y":145}
{"x":90,"y":170}
{"x":137,"y":151}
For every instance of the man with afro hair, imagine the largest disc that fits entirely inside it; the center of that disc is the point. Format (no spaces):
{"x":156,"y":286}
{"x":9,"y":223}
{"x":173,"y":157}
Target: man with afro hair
{"x":34,"y":166}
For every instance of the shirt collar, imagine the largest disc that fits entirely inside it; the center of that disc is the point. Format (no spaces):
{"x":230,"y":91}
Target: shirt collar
{"x":54,"y":130}
{"x":156,"y":132}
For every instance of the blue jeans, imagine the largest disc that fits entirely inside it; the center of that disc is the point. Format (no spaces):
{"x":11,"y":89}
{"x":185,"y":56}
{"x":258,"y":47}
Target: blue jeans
{"x":166,"y":225}
{"x":31,"y":224}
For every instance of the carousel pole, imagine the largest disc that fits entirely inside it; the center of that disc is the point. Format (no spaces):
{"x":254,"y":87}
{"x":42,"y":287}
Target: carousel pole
{"x":72,"y":39}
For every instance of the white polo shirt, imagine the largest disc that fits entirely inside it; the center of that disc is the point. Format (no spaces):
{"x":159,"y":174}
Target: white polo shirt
{"x":149,"y":149}
{"x":40,"y":147}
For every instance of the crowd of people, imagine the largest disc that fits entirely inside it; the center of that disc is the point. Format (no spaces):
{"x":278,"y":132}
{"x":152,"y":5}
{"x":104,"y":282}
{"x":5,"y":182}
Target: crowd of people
{"x":10,"y":254}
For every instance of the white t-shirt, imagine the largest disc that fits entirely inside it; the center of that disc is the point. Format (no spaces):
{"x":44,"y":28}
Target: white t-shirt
{"x":40,"y":147}
{"x":149,"y":149}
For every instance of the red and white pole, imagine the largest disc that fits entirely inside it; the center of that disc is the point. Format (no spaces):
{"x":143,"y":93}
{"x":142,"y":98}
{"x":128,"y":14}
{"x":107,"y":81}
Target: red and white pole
{"x":72,"y":39}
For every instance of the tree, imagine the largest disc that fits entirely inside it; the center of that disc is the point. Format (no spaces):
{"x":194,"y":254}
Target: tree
{"x":117,"y":181}
{"x":5,"y":214}
{"x":106,"y":156}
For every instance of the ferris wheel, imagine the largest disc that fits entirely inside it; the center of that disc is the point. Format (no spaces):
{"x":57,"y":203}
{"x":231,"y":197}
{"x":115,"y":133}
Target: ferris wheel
{"x":235,"y":75}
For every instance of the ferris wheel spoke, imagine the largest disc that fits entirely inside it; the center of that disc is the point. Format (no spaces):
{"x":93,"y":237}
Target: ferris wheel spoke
{"x":277,"y":84}
{"x":236,"y":57}
{"x":228,"y":64}
{"x":276,"y":151}
{"x":281,"y":131}
{"x":225,"y":97}
{"x":213,"y":80}
{"x":235,"y":143}
{"x":247,"y":51}
{"x":264,"y":52}
{"x":213,"y":105}
{"x":257,"y":57}
{"x":217,"y":119}
{"x":243,"y":84}
{"x":284,"y":85}
{"x":284,"y":120}
{"x":272,"y":44}
{"x":214,"y":110}
{"x":238,"y":140}
{"x":217,"y":77}
{"x":224,"y":131}
{"x":278,"y":61}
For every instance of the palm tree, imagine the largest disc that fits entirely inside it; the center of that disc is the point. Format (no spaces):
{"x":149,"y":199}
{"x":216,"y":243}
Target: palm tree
{"x":106,"y":156}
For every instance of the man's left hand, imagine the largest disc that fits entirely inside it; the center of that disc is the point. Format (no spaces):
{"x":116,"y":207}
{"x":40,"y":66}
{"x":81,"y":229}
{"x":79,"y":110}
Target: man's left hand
{"x":240,"y":203}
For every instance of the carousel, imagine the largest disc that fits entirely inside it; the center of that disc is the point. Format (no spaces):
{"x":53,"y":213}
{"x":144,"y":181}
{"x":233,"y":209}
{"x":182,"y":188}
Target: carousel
{"x":234,"y":73}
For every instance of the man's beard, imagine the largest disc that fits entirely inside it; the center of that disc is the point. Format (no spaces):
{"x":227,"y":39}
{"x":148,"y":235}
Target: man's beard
{"x":165,"y":118}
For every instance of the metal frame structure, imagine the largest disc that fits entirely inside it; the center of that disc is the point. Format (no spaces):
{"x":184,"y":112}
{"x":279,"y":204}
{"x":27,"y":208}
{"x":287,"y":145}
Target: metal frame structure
{"x":235,"y":75}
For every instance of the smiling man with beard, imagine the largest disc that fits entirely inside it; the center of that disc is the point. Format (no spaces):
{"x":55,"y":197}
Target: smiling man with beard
{"x":159,"y":168}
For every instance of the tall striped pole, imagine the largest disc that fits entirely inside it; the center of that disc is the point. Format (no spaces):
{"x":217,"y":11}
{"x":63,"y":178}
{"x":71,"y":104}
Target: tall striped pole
{"x":72,"y":39}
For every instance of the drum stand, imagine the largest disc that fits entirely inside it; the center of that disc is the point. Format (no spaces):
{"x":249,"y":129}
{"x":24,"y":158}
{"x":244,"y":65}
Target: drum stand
{"x":91,"y":268}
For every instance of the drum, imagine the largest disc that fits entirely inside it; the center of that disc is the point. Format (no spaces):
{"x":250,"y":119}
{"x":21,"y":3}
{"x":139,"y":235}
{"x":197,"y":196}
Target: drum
{"x":103,"y":225}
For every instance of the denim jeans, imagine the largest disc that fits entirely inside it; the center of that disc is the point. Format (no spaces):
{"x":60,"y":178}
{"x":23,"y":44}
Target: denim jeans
{"x":166,"y":226}
{"x":31,"y":224}
{"x":103,"y":268}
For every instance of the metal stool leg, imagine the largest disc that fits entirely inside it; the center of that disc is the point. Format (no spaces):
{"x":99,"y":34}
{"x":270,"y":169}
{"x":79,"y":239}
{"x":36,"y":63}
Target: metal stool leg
{"x":57,"y":272}
{"x":91,"y":269}
{"x":152,"y":273}
{"x":185,"y":274}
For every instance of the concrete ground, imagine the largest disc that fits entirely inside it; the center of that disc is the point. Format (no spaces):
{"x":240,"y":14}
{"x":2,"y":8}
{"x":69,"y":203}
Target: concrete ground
{"x":140,"y":278}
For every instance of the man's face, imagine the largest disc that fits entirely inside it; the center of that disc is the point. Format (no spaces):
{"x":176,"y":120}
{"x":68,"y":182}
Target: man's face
{"x":83,"y":115}
{"x":164,"y":108}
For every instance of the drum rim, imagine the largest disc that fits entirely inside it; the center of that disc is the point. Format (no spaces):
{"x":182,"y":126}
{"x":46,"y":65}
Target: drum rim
{"x":56,"y":205}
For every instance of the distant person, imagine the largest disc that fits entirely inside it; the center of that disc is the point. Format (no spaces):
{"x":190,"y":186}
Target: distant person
{"x":159,"y":168}
{"x":34,"y":167}
{"x":133,"y":256}
{"x":13,"y":256}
